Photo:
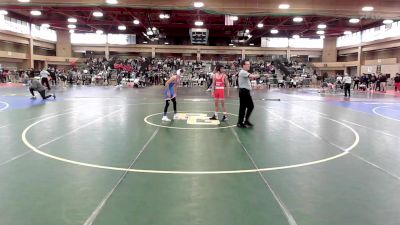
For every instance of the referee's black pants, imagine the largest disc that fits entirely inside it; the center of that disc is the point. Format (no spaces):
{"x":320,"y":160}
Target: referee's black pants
{"x":347,"y":89}
{"x":246,"y":105}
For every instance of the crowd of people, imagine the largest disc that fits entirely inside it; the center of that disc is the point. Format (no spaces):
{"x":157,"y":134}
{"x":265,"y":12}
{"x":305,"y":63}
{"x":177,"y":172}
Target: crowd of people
{"x":366,"y":82}
{"x":142,"y":72}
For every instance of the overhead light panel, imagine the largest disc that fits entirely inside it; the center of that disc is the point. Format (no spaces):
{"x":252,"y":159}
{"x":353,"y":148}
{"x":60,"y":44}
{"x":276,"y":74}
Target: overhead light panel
{"x":199,"y":23}
{"x":260,"y":25}
{"x":247,"y":31}
{"x":298,"y":19}
{"x":284,"y":6}
{"x":274,"y":31}
{"x":296,"y":36}
{"x":164,"y":16}
{"x":150,"y":32}
{"x":3,"y":12}
{"x":388,"y":21}
{"x":144,"y":42}
{"x":98,"y":14}
{"x":99,"y":32}
{"x":166,"y":43}
{"x":249,"y":36}
{"x":71,"y":31}
{"x":367,"y":9}
{"x":198,"y":4}
{"x":354,"y":20}
{"x":234,"y":18}
{"x":251,"y":44}
{"x":45,"y":25}
{"x":72,"y":20}
{"x":122,"y":27}
{"x":154,"y":29}
{"x":112,"y":2}
{"x":322,"y":36}
{"x":347,"y":32}
{"x":322,"y":26}
{"x":71,"y":26}
{"x":136,"y":22}
{"x":320,"y":32}
{"x":36,"y":13}
{"x":24,"y":1}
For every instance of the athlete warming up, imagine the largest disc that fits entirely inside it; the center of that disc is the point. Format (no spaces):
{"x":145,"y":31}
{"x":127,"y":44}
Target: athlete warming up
{"x":170,"y":93}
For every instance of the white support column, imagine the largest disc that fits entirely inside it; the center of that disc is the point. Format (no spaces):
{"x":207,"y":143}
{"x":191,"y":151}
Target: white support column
{"x":107,"y":51}
{"x":153,"y":52}
{"x":198,"y":55}
{"x":359,"y":60}
{"x":243,"y":54}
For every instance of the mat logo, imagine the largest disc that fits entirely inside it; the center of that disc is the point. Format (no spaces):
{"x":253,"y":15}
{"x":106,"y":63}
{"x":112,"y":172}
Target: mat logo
{"x":197,"y":119}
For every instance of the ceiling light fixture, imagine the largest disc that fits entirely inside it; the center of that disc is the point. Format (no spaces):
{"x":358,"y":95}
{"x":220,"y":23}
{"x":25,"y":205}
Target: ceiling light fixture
{"x":99,"y":32}
{"x":98,"y":14}
{"x":249,"y":36}
{"x":247,"y":31}
{"x":284,"y":6}
{"x":251,"y":44}
{"x":72,"y":20}
{"x":144,"y":42}
{"x":122,"y":27}
{"x":354,"y":20}
{"x":388,"y":21}
{"x":296,"y":36}
{"x":320,"y":32}
{"x":298,"y":19}
{"x":260,"y":25}
{"x":45,"y":25}
{"x":71,"y":31}
{"x":347,"y":32}
{"x":166,"y":43}
{"x":24,"y":1}
{"x":367,"y":8}
{"x":322,"y":26}
{"x":3,"y":12}
{"x":199,"y":23}
{"x":136,"y":22}
{"x":36,"y":13}
{"x":234,"y":18}
{"x":230,"y":44}
{"x":198,"y":4}
{"x":322,"y":36}
{"x":274,"y":31}
{"x":112,"y":2}
{"x":71,"y":26}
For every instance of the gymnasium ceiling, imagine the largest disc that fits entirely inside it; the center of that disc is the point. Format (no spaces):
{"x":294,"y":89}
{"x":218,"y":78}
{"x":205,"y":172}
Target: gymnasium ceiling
{"x":335,"y":14}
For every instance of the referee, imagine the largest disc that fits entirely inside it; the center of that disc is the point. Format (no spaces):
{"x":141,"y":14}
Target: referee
{"x":246,"y":102}
{"x":347,"y":84}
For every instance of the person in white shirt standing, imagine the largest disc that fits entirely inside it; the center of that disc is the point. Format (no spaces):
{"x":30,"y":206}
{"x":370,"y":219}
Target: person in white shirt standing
{"x":44,"y":74}
{"x":347,"y":84}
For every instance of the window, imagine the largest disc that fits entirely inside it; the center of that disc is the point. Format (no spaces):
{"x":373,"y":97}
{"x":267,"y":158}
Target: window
{"x":88,"y":38}
{"x":121,"y":39}
{"x":43,"y":33}
{"x":306,"y":43}
{"x":14,"y":25}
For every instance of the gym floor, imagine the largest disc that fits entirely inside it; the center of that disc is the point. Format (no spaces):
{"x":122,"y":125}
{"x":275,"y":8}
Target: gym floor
{"x":101,"y":155}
